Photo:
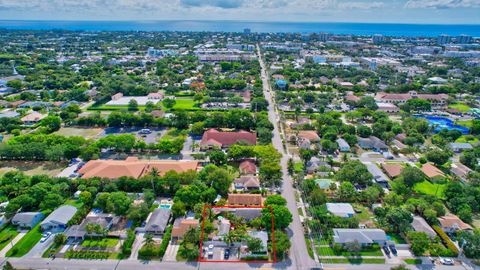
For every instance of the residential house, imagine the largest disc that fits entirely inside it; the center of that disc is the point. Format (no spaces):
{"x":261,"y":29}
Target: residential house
{"x":247,"y":213}
{"x":311,"y":135}
{"x":182,"y":225}
{"x":213,"y":138}
{"x":223,"y":226}
{"x":247,"y":182}
{"x":27,"y":219}
{"x":460,"y":170}
{"x":372,"y":143}
{"x":158,"y":220}
{"x":247,"y":166}
{"x":104,"y":221}
{"x":245,"y":199}
{"x":431,"y":171}
{"x":362,"y":236}
{"x":134,"y":167}
{"x":451,"y":223}
{"x":420,"y":225}
{"x":378,"y":175}
{"x":32,"y":118}
{"x":341,"y":209}
{"x":459,"y":147}
{"x":343,"y":146}
{"x":392,"y":169}
{"x":58,"y":219}
{"x":314,"y":164}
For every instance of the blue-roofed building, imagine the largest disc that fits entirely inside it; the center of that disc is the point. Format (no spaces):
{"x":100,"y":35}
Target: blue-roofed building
{"x":282,"y":84}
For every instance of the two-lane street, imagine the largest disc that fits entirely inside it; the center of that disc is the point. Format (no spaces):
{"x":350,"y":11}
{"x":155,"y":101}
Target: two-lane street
{"x":298,"y":252}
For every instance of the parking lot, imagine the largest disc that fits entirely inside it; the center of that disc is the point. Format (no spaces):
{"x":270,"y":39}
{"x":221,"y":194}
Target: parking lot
{"x":218,"y":254}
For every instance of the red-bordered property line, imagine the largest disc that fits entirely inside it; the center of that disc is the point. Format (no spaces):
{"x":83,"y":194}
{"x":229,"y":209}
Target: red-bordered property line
{"x":200,"y":257}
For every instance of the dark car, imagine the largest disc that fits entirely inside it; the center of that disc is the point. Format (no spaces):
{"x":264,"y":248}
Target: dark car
{"x":393,"y":249}
{"x":227,"y":254}
{"x":387,"y":251}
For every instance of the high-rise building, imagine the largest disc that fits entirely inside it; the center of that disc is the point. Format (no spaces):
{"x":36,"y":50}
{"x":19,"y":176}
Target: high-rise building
{"x":443,"y":39}
{"x":464,"y":39}
{"x":377,"y":39}
{"x":324,"y":36}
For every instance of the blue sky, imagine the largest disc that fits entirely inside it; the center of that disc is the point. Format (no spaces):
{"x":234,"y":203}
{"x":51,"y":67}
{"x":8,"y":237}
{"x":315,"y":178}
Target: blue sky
{"x":394,"y":11}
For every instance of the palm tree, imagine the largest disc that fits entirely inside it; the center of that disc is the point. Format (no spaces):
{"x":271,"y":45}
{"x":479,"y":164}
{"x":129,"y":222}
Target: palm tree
{"x":148,"y":239}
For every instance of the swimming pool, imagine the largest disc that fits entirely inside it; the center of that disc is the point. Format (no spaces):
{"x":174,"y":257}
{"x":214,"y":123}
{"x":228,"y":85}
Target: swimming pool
{"x":440,"y":123}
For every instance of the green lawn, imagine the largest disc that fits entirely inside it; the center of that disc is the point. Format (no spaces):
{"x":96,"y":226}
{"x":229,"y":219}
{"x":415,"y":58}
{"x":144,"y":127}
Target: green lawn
{"x":413,"y":261}
{"x":103,"y":243}
{"x":298,"y":166}
{"x":27,"y":242}
{"x":460,"y":106}
{"x":429,"y":188}
{"x":354,"y":260}
{"x":372,"y":251}
{"x":465,"y":123}
{"x":7,"y":235}
{"x":77,"y":203}
{"x":187,"y":104}
{"x":467,"y":139}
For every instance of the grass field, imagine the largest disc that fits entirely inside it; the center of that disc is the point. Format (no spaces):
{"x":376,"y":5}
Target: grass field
{"x":429,"y":188}
{"x":187,"y":104}
{"x":103,"y":243}
{"x":32,"y":167}
{"x":460,"y":106}
{"x":27,"y":242}
{"x":373,"y":251}
{"x":354,"y":260}
{"x":7,"y":235}
{"x":87,"y":133}
{"x":465,"y":123}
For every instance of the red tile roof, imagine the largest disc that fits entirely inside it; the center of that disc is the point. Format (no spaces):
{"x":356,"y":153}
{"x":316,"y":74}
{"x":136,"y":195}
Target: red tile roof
{"x":225,"y":139}
{"x":392,"y":169}
{"x":244,"y":199}
{"x":431,"y":171}
{"x":451,"y":221}
{"x":248,"y":167}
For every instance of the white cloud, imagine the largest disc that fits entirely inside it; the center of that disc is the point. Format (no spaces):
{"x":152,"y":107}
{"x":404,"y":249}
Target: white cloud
{"x":440,"y":4}
{"x":361,"y":5}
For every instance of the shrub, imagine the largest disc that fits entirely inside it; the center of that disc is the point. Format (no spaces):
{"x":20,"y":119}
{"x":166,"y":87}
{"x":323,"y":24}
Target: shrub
{"x":446,"y":241}
{"x":165,"y":240}
{"x":127,"y":244}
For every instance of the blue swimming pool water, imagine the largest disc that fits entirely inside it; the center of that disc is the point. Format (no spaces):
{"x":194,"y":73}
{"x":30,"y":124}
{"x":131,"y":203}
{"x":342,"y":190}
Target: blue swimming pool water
{"x":440,"y":123}
{"x":168,"y":206}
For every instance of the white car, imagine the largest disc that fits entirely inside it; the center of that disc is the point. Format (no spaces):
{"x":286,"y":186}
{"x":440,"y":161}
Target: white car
{"x":210,"y":250}
{"x":447,"y":261}
{"x":45,"y":236}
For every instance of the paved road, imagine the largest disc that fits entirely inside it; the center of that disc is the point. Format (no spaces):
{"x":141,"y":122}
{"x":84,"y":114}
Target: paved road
{"x":298,"y":252}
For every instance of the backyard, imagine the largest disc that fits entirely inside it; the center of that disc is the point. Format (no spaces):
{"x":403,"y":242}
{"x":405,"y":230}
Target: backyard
{"x":25,"y":244}
{"x":32,"y":167}
{"x":429,"y":188}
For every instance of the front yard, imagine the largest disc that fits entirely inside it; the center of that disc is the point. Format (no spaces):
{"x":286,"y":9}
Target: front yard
{"x":7,"y":235}
{"x":27,"y":242}
{"x":100,"y":243}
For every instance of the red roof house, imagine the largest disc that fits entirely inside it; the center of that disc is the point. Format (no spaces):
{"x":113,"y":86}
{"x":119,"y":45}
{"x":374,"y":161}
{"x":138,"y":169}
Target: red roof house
{"x":214,"y":138}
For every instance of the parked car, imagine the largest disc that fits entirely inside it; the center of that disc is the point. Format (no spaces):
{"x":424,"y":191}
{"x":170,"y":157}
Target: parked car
{"x":45,"y":236}
{"x":226,"y":255}
{"x":393,"y":249}
{"x":210,"y":251}
{"x":387,"y":251}
{"x":145,"y":131}
{"x":447,"y":261}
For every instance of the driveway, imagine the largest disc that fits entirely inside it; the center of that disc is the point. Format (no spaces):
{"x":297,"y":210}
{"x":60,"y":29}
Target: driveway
{"x":38,"y":250}
{"x":147,"y":138}
{"x":69,"y":170}
{"x":187,"y":149}
{"x":171,"y":253}
{"x":137,"y":244}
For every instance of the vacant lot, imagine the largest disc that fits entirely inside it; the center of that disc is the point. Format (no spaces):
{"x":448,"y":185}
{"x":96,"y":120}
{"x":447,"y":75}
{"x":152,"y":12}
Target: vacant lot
{"x":32,"y":167}
{"x":87,"y":133}
{"x":429,"y":188}
{"x":187,"y":104}
{"x":100,"y":243}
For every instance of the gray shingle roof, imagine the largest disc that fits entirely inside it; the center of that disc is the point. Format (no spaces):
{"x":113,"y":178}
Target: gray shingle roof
{"x":158,"y":220}
{"x":25,"y":217}
{"x":61,"y":215}
{"x":362,"y":236}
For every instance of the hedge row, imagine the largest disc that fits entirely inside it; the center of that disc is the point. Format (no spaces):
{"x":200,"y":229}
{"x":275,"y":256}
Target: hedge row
{"x":165,"y":240}
{"x":446,"y":240}
{"x":86,"y":254}
{"x":128,"y":243}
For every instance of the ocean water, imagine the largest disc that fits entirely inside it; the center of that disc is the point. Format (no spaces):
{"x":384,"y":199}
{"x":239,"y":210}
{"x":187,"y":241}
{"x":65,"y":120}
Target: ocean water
{"x":406,"y":30}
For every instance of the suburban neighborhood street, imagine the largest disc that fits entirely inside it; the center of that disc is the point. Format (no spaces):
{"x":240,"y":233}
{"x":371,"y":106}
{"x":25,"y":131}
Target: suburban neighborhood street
{"x":298,"y":252}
